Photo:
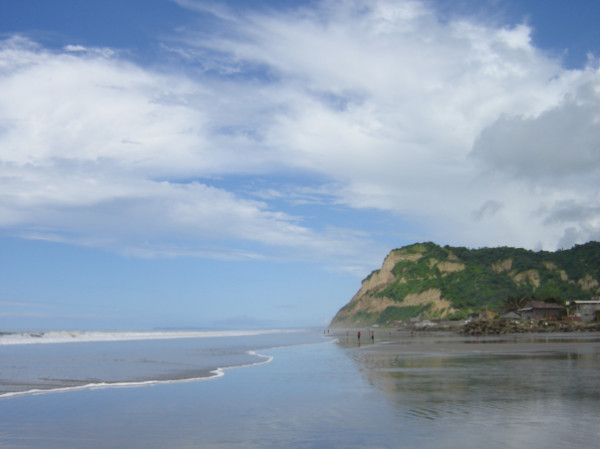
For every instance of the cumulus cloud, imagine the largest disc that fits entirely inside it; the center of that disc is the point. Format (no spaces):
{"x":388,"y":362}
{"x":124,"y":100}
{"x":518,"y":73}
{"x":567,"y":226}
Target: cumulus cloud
{"x":561,"y":141}
{"x":412,"y":114}
{"x":462,"y":128}
{"x":94,"y":150}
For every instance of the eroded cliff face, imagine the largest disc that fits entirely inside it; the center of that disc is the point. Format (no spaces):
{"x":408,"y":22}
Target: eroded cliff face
{"x":368,"y":304}
{"x":366,"y":301}
{"x":380,"y":279}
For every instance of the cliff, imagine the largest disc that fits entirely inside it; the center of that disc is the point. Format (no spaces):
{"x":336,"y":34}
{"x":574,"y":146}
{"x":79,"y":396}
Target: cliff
{"x":429,"y":281}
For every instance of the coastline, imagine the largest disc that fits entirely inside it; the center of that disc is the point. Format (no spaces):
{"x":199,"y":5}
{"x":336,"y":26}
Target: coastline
{"x":472,"y":328}
{"x":116,"y":362}
{"x":196,"y":377}
{"x":413,"y":389}
{"x":438,"y":340}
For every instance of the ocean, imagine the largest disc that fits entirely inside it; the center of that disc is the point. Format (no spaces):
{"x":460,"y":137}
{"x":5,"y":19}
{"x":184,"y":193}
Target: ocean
{"x":298,"y":389}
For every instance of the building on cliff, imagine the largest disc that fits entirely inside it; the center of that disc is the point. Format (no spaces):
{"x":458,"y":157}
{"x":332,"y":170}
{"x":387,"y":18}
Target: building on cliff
{"x":538,"y":310}
{"x":585,"y":310}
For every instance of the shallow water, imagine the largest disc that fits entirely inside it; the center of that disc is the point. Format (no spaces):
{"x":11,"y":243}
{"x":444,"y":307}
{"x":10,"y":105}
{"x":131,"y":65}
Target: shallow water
{"x":515,"y":392}
{"x":63,"y":362}
{"x":420,"y":392}
{"x":303,"y":398}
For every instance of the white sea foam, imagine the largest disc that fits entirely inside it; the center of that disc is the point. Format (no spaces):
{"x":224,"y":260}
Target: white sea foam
{"x":20,"y":338}
{"x":214,"y":374}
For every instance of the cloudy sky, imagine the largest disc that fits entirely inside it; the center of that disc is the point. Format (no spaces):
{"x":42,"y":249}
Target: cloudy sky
{"x":192,"y":163}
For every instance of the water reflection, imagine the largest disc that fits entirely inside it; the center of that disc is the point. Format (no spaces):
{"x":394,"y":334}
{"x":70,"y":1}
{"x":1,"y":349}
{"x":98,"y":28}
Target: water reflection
{"x":526,"y":385}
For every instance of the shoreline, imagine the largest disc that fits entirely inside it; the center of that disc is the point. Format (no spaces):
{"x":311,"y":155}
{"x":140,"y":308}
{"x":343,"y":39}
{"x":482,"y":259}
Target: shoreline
{"x":476,"y":327}
{"x":209,"y":374}
{"x":388,"y":340}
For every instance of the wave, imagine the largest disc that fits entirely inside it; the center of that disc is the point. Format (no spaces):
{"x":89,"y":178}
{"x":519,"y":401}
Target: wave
{"x":214,"y":374}
{"x":20,"y":338}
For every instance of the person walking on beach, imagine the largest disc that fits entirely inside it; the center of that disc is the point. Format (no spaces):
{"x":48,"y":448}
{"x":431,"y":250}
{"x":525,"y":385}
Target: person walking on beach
{"x":358,"y":335}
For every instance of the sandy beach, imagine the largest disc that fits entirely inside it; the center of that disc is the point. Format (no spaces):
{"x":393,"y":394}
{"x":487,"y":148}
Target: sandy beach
{"x":392,"y":341}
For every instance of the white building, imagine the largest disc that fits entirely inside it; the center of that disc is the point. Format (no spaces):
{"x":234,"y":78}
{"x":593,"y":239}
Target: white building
{"x":585,"y":310}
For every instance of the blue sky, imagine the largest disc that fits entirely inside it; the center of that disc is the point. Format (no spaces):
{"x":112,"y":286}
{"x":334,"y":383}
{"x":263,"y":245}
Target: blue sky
{"x":187,"y":163}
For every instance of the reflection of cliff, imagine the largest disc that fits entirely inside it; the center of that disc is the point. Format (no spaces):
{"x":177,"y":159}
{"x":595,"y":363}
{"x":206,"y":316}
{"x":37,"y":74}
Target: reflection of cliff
{"x":434,"y":380}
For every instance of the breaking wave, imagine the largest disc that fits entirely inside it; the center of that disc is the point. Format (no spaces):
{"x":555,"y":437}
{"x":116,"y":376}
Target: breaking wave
{"x":20,"y":338}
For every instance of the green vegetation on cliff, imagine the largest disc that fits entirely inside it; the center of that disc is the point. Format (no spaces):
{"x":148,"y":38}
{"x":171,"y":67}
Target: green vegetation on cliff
{"x":431,"y":281}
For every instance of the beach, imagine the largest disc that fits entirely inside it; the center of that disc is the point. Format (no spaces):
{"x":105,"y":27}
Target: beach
{"x":408,"y":341}
{"x":397,"y":391}
{"x":308,"y":395}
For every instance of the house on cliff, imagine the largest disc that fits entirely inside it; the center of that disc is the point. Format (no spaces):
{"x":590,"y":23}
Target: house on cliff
{"x":585,"y":310}
{"x":540,"y":310}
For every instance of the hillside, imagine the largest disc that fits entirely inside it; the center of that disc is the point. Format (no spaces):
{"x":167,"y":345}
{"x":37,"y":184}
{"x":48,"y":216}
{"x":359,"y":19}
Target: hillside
{"x":430,"y":281}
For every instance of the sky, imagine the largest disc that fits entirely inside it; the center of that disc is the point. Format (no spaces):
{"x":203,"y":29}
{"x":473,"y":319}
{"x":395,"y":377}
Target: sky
{"x":233,"y":164}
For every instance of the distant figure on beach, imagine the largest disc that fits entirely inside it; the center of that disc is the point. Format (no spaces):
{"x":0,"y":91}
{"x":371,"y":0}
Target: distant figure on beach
{"x":372,"y":337}
{"x":358,"y":335}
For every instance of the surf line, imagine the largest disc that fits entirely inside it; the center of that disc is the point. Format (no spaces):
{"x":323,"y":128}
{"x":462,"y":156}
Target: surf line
{"x":216,"y":373}
{"x":57,"y":337}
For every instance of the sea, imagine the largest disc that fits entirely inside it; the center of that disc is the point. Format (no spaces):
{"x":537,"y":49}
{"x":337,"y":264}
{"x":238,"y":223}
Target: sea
{"x":298,"y":389}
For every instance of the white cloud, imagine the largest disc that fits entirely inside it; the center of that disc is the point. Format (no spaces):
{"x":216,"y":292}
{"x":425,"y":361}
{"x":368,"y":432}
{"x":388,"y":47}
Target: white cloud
{"x":451,"y":124}
{"x":105,"y":52}
{"x":561,"y":141}
{"x":86,"y":109}
{"x":92,"y":150}
{"x":390,"y":103}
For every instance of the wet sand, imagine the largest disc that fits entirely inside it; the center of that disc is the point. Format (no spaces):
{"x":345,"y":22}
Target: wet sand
{"x":392,"y":341}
